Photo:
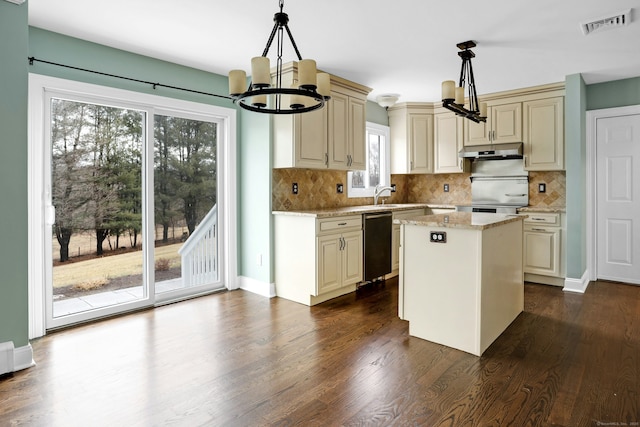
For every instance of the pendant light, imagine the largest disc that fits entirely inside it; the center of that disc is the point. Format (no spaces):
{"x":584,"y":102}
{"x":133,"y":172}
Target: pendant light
{"x":266,"y":95}
{"x":453,"y":96}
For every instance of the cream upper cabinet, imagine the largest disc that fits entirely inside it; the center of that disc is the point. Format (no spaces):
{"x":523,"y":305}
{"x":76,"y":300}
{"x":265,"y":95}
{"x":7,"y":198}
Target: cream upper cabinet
{"x":504,"y":124}
{"x":411,"y":128}
{"x":300,"y":140}
{"x":347,"y":145}
{"x":543,"y":122}
{"x":447,"y":142}
{"x":329,"y":138}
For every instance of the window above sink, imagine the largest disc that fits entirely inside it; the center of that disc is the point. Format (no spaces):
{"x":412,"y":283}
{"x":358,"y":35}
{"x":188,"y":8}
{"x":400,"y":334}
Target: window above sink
{"x":363,"y":183}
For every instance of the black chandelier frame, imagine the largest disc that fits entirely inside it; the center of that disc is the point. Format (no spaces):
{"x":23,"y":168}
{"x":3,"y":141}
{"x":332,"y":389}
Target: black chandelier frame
{"x":466,"y":76}
{"x":281,"y":25}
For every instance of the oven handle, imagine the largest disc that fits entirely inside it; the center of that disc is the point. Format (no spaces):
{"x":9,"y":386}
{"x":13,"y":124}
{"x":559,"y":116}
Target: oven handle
{"x":514,"y":195}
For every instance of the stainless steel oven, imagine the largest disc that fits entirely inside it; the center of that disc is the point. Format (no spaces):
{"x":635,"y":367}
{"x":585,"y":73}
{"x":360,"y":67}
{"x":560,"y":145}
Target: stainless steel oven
{"x":498,"y":186}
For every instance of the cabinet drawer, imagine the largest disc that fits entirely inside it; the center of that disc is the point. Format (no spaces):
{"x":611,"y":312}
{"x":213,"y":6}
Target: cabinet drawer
{"x":552,"y":219}
{"x":340,"y":223}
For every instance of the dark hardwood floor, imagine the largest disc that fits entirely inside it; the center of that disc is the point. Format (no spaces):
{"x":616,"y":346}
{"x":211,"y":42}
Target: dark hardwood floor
{"x":237,"y":359}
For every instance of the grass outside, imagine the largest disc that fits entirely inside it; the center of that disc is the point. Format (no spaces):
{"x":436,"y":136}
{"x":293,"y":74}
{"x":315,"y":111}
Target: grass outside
{"x":101,"y":270}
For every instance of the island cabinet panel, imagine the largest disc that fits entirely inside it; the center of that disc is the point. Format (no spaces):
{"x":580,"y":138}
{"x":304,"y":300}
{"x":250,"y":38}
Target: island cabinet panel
{"x":465,"y":290}
{"x":317,"y":259}
{"x":395,"y":237}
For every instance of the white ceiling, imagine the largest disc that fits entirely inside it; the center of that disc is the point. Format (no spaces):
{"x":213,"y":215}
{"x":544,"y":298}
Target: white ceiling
{"x":402,"y":46}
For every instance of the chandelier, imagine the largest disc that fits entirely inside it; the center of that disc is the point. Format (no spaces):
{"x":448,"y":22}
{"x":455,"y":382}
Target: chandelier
{"x":453,"y":96}
{"x":263,"y":95}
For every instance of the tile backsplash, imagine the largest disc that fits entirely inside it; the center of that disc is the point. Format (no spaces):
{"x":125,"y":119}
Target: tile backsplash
{"x":317,"y":189}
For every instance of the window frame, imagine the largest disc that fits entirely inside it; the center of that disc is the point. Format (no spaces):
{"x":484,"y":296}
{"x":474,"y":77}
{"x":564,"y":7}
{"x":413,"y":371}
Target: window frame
{"x":385,"y":163}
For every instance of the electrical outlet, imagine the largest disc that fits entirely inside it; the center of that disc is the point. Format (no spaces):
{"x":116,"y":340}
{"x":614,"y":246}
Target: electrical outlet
{"x":542,"y":187}
{"x":339,"y":188}
{"x":393,"y":188}
{"x":294,"y":188}
{"x":438,"y":236}
{"x":446,"y":188}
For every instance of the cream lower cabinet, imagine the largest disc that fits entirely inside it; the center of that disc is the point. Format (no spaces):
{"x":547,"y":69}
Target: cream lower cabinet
{"x":395,"y":237}
{"x":543,"y":243}
{"x":317,"y":259}
{"x":339,"y":261}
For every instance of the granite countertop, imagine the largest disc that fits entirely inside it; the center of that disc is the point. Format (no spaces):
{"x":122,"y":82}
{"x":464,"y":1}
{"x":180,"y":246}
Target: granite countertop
{"x":467,"y":220}
{"x":549,"y":209}
{"x":355,"y":210}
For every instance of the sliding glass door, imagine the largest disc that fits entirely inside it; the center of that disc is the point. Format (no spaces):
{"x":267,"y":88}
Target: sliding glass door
{"x":131,"y":206}
{"x":186,"y":211}
{"x":96,"y":191}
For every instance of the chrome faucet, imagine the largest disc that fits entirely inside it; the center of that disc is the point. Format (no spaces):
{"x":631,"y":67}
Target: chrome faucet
{"x":378,"y":190}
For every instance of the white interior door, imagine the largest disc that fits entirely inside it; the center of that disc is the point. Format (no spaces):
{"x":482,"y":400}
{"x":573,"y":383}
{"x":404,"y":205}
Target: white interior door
{"x":618,"y":198}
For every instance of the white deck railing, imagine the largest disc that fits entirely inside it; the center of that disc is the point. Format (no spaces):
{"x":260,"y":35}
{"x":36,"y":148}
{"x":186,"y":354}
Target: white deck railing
{"x":200,"y":252}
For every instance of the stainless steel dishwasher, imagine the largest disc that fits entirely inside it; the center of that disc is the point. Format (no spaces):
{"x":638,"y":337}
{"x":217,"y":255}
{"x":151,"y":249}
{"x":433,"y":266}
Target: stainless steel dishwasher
{"x":377,"y":244}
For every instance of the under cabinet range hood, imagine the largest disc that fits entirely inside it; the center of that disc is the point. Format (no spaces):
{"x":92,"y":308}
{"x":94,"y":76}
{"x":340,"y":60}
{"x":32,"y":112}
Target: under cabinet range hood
{"x":492,"y":151}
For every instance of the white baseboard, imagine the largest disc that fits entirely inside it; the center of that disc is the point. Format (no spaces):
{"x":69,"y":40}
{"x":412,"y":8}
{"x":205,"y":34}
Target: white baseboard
{"x":577,"y":285}
{"x":257,"y":287}
{"x":15,"y":359}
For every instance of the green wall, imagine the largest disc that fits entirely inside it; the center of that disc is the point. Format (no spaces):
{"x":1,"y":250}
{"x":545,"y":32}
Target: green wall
{"x":579,"y":99}
{"x":254,"y":198}
{"x":377,"y":114}
{"x":14,"y":48}
{"x":619,"y":93}
{"x":575,"y":163}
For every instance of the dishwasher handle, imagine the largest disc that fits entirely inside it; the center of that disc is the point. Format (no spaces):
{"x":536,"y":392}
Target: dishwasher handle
{"x":378,"y":215}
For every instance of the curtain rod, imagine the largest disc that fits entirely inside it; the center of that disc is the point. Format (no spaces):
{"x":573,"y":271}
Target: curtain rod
{"x":154,"y":85}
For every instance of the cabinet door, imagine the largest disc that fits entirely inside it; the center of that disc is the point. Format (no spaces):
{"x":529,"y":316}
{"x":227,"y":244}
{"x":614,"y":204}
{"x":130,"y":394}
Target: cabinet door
{"x":542,"y":251}
{"x":421,"y":140}
{"x":357,"y":131}
{"x":329,"y":253}
{"x":352,"y":255}
{"x":338,"y":130}
{"x":311,"y":139}
{"x":476,"y":133}
{"x":506,"y":123}
{"x":447,"y":143}
{"x":543,"y":123}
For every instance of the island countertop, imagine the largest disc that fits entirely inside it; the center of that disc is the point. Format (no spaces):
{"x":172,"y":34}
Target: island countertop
{"x":468,"y":220}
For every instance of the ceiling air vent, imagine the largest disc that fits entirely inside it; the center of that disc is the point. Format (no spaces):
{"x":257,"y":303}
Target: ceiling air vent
{"x":612,"y":21}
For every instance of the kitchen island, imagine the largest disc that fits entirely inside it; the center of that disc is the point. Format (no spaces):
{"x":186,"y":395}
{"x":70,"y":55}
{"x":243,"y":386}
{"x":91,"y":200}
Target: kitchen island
{"x":461,"y":277}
